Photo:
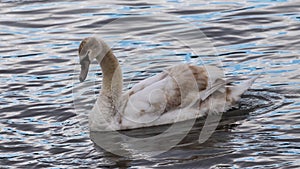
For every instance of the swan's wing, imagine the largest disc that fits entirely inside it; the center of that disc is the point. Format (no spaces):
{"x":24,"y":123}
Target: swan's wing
{"x":147,"y":82}
{"x":146,"y":103}
{"x":154,"y":96}
{"x":214,"y":81}
{"x":179,"y":87}
{"x":219,"y":85}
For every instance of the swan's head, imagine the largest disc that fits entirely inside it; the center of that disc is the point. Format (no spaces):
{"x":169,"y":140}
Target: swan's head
{"x":89,"y":49}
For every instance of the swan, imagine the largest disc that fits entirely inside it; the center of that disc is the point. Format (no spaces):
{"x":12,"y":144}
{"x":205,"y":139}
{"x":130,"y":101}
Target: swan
{"x":179,"y":93}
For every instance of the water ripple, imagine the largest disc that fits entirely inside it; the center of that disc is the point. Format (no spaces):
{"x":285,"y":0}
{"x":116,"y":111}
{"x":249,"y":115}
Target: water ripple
{"x":39,"y":127}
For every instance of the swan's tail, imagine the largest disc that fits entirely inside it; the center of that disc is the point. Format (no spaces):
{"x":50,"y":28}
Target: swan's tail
{"x":234,"y":92}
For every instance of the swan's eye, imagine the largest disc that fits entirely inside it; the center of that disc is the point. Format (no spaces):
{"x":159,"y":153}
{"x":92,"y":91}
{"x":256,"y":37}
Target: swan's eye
{"x":82,"y":44}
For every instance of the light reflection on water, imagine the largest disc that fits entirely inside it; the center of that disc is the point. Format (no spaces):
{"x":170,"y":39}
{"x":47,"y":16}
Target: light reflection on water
{"x":40,"y":127}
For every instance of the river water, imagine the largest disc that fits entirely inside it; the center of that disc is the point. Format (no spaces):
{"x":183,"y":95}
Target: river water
{"x":43,"y":107}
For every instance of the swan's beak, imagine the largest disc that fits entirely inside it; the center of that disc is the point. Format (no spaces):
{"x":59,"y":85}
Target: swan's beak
{"x":84,"y":70}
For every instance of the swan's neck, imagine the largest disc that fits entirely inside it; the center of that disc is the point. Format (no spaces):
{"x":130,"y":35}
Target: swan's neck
{"x":112,"y":78}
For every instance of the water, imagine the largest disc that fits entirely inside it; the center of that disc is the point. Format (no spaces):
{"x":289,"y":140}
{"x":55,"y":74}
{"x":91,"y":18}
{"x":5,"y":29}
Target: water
{"x":42,"y":128}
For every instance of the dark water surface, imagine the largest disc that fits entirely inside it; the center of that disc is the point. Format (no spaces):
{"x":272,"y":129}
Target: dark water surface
{"x":41,"y":127}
